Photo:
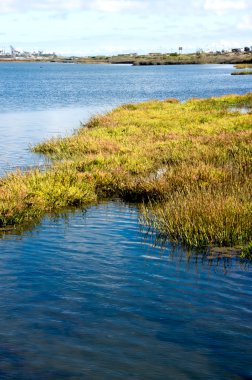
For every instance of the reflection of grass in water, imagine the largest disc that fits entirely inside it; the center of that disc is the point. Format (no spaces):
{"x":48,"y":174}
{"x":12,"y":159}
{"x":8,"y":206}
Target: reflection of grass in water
{"x":221,"y":258}
{"x":246,"y":72}
{"x":28,"y":225}
{"x":192,"y":161}
{"x":240,"y":109}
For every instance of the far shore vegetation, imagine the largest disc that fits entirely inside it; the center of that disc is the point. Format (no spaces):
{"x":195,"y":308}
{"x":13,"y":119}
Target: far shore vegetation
{"x":188,"y":165}
{"x":199,"y":57}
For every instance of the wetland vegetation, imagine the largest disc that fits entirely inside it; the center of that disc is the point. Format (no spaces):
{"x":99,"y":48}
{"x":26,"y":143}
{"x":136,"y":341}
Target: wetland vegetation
{"x":243,"y":66}
{"x":188,"y":164}
{"x":243,"y":69}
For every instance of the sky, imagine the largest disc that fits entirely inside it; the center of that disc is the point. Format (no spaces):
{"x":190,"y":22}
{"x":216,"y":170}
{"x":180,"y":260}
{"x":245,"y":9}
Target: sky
{"x":92,"y":27}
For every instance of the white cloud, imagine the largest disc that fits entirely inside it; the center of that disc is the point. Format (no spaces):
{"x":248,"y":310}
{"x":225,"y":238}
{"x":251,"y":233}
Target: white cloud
{"x":68,"y":5}
{"x":155,"y":6}
{"x":117,"y":5}
{"x":7,"y":6}
{"x":109,"y":6}
{"x":221,"y":6}
{"x":226,"y":44}
{"x":245,"y":23}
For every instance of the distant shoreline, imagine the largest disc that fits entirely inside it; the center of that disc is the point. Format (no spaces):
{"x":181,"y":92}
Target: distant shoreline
{"x":143,"y":60}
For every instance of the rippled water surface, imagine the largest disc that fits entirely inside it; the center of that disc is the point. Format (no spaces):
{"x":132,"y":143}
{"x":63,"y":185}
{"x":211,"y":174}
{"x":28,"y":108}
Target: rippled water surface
{"x":92,"y":298}
{"x":90,"y":295}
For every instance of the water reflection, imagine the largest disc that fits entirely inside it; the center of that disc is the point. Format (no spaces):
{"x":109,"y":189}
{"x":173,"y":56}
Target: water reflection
{"x":92,"y":296}
{"x":224,"y":259}
{"x":157,"y":246}
{"x":21,"y":130}
{"x":242,"y":110}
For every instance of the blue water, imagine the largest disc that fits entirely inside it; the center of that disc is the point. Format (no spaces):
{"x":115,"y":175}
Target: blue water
{"x":39,"y":101}
{"x":90,"y":294}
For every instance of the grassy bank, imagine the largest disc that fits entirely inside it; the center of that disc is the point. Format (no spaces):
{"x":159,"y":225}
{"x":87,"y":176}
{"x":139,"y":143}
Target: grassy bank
{"x":190,"y":163}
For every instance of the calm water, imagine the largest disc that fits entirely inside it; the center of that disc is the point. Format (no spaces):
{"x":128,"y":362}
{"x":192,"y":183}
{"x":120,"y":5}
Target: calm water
{"x":89,"y":295}
{"x":38,"y":101}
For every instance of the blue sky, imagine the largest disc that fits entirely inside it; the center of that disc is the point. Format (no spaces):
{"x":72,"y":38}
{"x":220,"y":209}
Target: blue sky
{"x":87,"y":27}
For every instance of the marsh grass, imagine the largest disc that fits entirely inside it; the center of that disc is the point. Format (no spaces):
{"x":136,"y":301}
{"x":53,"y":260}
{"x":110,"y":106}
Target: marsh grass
{"x":242,"y":69}
{"x":191,"y":164}
{"x":25,"y":197}
{"x":243,"y":66}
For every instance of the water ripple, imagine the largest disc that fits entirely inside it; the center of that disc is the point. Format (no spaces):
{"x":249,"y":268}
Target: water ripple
{"x":89,"y":296}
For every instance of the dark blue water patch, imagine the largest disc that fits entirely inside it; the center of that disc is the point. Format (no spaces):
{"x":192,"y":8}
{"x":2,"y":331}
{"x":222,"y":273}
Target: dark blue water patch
{"x":92,"y":297}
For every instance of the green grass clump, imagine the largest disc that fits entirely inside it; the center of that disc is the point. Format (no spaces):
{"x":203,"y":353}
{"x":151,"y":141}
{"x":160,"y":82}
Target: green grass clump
{"x":26,"y":197}
{"x":190,"y":162}
{"x":247,"y":251}
{"x":243,"y":66}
